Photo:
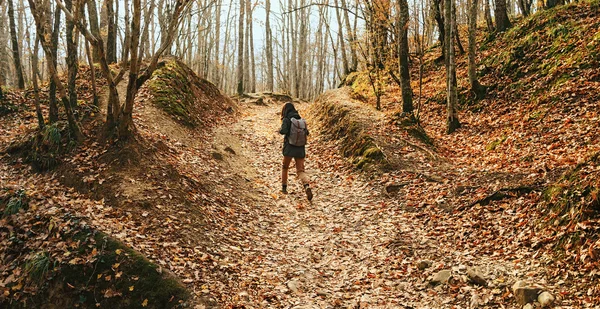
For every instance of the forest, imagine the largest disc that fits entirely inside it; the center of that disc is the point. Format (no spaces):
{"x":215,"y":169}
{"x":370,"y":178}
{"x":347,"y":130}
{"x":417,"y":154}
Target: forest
{"x":452,"y":157}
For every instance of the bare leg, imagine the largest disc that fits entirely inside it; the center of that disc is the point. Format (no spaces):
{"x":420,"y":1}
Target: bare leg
{"x":301,"y":172}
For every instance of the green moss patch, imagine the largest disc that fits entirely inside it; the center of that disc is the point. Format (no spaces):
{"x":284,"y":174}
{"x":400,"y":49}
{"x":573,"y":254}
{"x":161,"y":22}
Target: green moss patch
{"x":339,"y":121}
{"x":60,"y":260}
{"x":177,"y":90}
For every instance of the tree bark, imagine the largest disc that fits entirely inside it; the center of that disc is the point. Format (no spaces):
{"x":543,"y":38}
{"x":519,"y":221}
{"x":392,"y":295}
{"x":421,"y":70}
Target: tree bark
{"x":72,"y":62}
{"x":407,"y":94}
{"x":461,"y":49}
{"x":452,"y":122}
{"x":127,"y":35}
{"x":345,"y":63}
{"x":42,"y":26}
{"x":437,"y":15}
{"x":476,"y":88}
{"x":502,"y":21}
{"x":15,"y":46}
{"x":94,"y":26}
{"x":353,"y":65}
{"x":269,"y":46}
{"x":36,"y":88}
{"x":488,"y":16}
{"x":111,"y":36}
{"x":92,"y":71}
{"x":240,"y":68}
{"x":127,"y":120}
{"x":52,"y":88}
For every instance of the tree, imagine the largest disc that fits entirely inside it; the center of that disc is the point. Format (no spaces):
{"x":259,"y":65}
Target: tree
{"x":525,"y":6}
{"x":111,"y":35}
{"x":15,"y":46}
{"x":452,"y":122}
{"x":269,"y":46}
{"x":72,"y":62}
{"x":407,"y":102}
{"x":476,"y":88}
{"x":502,"y":21}
{"x":42,"y":26}
{"x":488,"y":16}
{"x":437,"y":15}
{"x":240,"y":68}
{"x":36,"y":88}
{"x":53,"y":116}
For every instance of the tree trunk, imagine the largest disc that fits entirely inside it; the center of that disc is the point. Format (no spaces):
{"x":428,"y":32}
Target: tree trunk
{"x":72,"y":62}
{"x":353,"y":66}
{"x":488,"y":16}
{"x":407,"y":94}
{"x":240,"y":68}
{"x":502,"y":21}
{"x":251,"y":50}
{"x":111,"y":36}
{"x":476,"y":88}
{"x":452,"y":122}
{"x":461,"y":49}
{"x":269,"y":47}
{"x":247,"y":49}
{"x":216,"y":71}
{"x":52,"y":88}
{"x":437,"y":15}
{"x":92,"y":71}
{"x":94,"y":27}
{"x":15,"y":46}
{"x":127,"y":120}
{"x":36,"y":88}
{"x":345,"y":64}
{"x":42,"y":26}
{"x":127,"y":35}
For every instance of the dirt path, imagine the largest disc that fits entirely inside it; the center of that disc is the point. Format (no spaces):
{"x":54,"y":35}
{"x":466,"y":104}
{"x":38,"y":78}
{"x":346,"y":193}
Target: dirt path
{"x":352,"y":247}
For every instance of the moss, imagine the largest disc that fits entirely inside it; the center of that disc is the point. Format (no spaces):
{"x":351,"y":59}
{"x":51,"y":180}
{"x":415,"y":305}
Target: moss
{"x":119,"y":278}
{"x":171,"y":91}
{"x":338,"y":122}
{"x":493,"y":145}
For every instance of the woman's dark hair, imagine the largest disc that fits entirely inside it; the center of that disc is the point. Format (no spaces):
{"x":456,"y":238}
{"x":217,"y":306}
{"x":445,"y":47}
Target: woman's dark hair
{"x":287,"y":108}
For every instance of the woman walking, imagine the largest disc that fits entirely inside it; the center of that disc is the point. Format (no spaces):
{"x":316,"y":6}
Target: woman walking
{"x":293,"y":127}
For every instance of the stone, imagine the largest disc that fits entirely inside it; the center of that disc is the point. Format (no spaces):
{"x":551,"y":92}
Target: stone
{"x":524,"y":294}
{"x":294,"y":286}
{"x":528,"y":306}
{"x":442,"y":277}
{"x":217,"y":156}
{"x":476,"y":276}
{"x":423,"y":264}
{"x":545,"y":299}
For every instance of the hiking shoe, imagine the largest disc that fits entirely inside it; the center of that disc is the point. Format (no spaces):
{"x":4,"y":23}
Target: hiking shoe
{"x":309,"y":195}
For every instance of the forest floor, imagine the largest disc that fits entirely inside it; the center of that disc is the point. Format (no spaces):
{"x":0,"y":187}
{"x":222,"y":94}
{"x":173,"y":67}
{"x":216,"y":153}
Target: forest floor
{"x":355,"y":246}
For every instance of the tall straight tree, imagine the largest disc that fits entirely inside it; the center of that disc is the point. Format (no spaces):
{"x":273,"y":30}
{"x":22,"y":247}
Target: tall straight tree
{"x":72,"y":62}
{"x":407,"y":94}
{"x":502,"y":21}
{"x":476,"y":88}
{"x":15,"y":46}
{"x":53,"y":116}
{"x":36,"y":88}
{"x":240,"y":68}
{"x":488,"y":16}
{"x":269,"y":46}
{"x":111,"y":35}
{"x":452,"y":122}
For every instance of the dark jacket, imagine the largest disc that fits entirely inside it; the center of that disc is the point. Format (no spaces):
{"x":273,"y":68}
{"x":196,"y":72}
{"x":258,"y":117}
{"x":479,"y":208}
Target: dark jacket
{"x":291,"y":150}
